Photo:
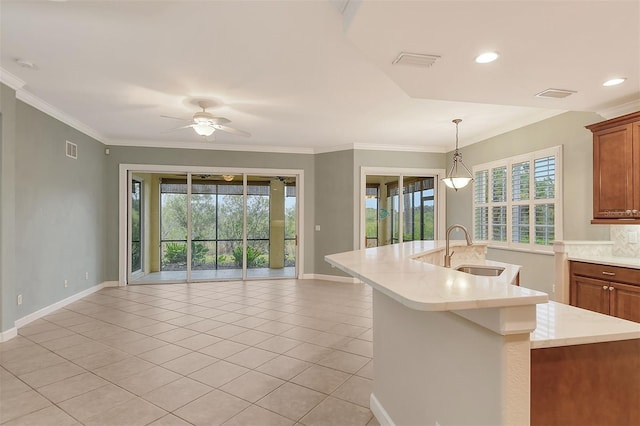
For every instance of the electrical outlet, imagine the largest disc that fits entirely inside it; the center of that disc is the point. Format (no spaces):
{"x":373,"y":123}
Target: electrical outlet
{"x":632,"y":237}
{"x":86,"y":275}
{"x":66,"y":283}
{"x":317,"y":227}
{"x":19,"y":299}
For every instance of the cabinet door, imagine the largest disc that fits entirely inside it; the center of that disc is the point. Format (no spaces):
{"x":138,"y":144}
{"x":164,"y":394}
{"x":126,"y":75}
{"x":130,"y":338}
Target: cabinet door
{"x":613,"y":172}
{"x":624,"y":301}
{"x":590,"y":294}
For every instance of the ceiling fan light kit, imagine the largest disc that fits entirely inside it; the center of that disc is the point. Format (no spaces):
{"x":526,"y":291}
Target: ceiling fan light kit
{"x":203,"y":129}
{"x":205,"y":123}
{"x":457,"y":179}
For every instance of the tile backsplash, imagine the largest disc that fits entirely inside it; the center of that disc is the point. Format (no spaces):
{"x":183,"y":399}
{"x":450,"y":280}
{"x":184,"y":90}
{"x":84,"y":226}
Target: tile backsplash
{"x":626,"y":239}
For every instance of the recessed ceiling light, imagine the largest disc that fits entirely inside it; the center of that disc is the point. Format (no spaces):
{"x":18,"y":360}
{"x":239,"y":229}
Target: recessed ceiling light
{"x":485,"y":58}
{"x":613,"y":82}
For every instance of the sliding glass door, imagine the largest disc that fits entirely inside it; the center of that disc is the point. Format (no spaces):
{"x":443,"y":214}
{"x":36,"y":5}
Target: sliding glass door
{"x":173,"y":227}
{"x":136,"y":231}
{"x":207,"y":227}
{"x":398,"y":208}
{"x":271,"y":226}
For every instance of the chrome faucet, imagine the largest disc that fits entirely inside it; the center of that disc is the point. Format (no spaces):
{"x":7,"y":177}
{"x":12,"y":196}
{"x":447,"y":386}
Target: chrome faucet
{"x":447,"y":256}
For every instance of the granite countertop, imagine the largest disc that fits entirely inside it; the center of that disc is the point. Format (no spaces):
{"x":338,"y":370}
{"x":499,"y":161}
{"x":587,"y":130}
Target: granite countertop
{"x":394,"y":271}
{"x":564,"y":325}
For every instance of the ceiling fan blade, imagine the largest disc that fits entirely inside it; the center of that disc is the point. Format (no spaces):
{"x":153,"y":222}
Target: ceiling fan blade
{"x":220,"y":120}
{"x":175,"y":118}
{"x":231,"y":130}
{"x":177,"y":128}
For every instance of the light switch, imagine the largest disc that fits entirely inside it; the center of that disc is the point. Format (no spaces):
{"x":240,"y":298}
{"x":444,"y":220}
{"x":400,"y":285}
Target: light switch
{"x":317,"y":227}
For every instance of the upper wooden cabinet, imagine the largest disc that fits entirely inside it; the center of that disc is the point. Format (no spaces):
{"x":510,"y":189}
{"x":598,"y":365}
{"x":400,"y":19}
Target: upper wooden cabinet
{"x":616,"y":170}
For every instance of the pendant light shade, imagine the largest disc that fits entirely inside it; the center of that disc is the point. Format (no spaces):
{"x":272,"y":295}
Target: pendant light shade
{"x":456,"y":178}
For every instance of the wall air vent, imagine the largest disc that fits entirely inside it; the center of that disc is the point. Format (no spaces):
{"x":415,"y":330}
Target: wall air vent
{"x":72,"y":150}
{"x":555,"y":93}
{"x":415,"y":59}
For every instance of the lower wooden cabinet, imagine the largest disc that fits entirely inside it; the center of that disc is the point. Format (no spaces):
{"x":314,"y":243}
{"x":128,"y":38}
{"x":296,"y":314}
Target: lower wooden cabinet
{"x":592,"y":384}
{"x":606,"y":289}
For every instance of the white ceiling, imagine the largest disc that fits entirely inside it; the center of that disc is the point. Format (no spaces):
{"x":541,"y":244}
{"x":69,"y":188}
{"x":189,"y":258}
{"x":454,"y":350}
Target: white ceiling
{"x":312,"y":76}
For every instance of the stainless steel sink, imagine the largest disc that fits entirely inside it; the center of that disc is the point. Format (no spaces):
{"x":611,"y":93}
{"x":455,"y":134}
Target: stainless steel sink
{"x":485,"y":271}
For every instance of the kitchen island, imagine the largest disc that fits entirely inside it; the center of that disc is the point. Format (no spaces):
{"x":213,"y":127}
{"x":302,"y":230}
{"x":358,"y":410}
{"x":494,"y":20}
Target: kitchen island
{"x":455,"y":348}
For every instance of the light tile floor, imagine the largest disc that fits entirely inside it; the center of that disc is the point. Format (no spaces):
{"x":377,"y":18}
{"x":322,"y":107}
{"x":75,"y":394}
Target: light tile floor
{"x":286,"y":352}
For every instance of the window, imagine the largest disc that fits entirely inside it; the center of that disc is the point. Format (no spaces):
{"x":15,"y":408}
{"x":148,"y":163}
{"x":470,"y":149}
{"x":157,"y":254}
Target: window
{"x":517,"y":201}
{"x":372,"y":195}
{"x":418,"y":198}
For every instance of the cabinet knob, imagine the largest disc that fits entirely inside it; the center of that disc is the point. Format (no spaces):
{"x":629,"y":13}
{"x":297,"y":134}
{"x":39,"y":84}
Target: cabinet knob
{"x":610,"y":274}
{"x":611,"y":288}
{"x":634,"y":211}
{"x":604,"y":287}
{"x":628,"y":212}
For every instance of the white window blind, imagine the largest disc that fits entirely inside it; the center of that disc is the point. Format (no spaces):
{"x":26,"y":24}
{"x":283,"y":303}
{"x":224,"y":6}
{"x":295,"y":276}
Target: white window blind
{"x":517,"y":201}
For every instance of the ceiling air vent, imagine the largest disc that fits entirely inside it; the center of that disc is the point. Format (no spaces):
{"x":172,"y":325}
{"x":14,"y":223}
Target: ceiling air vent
{"x":415,"y":59}
{"x":72,"y":150}
{"x":555,"y":93}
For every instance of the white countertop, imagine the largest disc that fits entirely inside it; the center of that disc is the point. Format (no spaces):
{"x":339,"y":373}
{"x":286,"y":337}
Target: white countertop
{"x":625,"y":262}
{"x":394,"y":271}
{"x":563,"y":325}
{"x":426,"y":287}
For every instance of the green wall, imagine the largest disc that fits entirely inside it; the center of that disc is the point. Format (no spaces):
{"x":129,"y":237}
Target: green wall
{"x":7,"y":207}
{"x":566,"y":130}
{"x":60,"y":207}
{"x":334,"y":207}
{"x":52,"y":210}
{"x":205,"y":158}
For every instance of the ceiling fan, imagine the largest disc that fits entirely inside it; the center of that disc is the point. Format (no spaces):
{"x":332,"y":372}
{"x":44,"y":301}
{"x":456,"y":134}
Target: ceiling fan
{"x":205,"y":123}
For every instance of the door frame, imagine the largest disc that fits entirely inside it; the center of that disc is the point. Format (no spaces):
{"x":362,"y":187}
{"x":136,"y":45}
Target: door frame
{"x":124,"y":193}
{"x":402,"y":172}
{"x":140,"y":271}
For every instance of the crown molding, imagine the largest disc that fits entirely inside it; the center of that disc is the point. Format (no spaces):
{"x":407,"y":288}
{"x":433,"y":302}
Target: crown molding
{"x":404,"y":148}
{"x":334,"y":148}
{"x":149,"y":143}
{"x":379,"y":147}
{"x":39,"y":104}
{"x":11,"y":80}
{"x":209,"y":146}
{"x":622,"y":109}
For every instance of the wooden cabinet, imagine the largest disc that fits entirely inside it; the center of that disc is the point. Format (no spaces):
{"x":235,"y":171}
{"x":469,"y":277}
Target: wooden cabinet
{"x":609,"y":290}
{"x":589,"y":384}
{"x":616,"y":170}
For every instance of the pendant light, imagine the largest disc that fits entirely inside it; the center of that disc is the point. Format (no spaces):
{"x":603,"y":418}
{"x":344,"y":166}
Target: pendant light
{"x":456,"y":179}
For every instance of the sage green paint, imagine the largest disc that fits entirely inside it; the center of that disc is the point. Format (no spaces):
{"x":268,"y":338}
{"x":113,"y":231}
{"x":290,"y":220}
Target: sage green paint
{"x":413,"y":160}
{"x":567,"y":130}
{"x":334,"y":207}
{"x":7,"y":207}
{"x":205,"y":158}
{"x":60,"y":209}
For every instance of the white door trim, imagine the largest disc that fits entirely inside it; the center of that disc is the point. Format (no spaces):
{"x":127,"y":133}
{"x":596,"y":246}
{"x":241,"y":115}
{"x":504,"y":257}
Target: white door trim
{"x":157,"y":168}
{"x":401,"y":172}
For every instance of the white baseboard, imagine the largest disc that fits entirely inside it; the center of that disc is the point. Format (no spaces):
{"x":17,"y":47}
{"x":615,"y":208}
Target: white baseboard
{"x":61,"y":304}
{"x":379,"y":412}
{"x":111,"y":284}
{"x":335,"y":278}
{"x":8,"y":334}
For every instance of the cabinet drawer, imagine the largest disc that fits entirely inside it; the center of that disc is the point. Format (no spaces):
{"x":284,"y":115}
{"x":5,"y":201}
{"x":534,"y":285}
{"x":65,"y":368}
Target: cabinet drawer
{"x":607,"y":273}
